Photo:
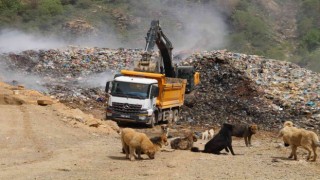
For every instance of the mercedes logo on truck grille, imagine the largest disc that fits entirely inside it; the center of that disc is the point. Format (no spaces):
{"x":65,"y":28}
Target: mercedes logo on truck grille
{"x":126,"y":106}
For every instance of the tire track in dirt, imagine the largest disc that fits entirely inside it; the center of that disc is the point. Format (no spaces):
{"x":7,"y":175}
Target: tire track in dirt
{"x":10,"y":133}
{"x":31,"y":136}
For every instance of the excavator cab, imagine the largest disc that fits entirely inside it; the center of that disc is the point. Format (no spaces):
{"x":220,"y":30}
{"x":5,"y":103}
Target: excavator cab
{"x":188,"y":73}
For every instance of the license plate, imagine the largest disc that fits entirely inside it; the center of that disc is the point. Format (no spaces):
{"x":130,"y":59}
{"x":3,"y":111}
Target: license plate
{"x":125,"y":116}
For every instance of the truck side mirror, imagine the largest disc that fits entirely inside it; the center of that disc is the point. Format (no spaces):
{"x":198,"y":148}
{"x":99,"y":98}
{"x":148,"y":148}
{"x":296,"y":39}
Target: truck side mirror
{"x":108,"y":86}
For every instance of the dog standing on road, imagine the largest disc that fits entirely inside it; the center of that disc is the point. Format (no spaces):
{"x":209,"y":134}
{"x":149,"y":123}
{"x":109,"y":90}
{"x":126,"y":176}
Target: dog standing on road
{"x":205,"y":135}
{"x":245,"y":131}
{"x":133,"y":141}
{"x":296,"y":137}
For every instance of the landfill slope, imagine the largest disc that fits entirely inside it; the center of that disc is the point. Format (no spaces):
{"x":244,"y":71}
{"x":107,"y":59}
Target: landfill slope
{"x":234,"y":87}
{"x":245,"y":88}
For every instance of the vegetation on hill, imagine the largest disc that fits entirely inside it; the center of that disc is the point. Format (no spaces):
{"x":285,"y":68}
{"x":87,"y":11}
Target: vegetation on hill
{"x":279,"y":29}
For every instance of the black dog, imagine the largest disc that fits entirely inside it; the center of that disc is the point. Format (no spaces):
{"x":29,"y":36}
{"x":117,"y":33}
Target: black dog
{"x":220,"y":141}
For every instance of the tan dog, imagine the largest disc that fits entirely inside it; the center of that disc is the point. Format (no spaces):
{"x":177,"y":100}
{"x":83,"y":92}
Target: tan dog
{"x":296,"y":137}
{"x":185,"y":143}
{"x":133,"y":141}
{"x":288,"y":124}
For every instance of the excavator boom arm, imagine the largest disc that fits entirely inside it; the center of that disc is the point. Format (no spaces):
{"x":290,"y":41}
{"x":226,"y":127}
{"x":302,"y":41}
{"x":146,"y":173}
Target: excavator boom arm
{"x":156,"y":36}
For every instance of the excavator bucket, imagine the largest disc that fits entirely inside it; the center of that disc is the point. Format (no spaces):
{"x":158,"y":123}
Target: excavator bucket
{"x":147,"y":63}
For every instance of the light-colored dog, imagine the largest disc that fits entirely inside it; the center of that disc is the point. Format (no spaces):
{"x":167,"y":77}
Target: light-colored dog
{"x":133,"y":141}
{"x":296,"y":137}
{"x":205,"y":135}
{"x":211,"y":133}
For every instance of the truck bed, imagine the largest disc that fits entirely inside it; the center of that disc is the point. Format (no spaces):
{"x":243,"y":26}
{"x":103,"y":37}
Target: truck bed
{"x":172,"y":93}
{"x":171,"y":90}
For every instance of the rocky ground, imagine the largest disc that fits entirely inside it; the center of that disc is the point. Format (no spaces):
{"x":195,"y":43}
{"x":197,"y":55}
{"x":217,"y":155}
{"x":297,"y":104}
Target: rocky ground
{"x":58,"y":142}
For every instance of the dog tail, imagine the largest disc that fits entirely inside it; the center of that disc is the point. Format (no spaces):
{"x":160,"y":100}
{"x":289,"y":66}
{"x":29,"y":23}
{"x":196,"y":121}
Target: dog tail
{"x":195,"y":149}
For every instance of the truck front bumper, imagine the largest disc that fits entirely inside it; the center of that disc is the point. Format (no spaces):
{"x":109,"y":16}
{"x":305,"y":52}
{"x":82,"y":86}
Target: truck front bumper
{"x":140,"y":117}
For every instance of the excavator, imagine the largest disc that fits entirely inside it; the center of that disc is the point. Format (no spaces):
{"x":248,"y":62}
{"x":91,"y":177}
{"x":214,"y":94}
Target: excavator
{"x":164,"y":65}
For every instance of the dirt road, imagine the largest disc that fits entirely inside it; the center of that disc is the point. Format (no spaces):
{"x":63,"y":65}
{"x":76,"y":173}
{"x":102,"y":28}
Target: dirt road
{"x":56,"y":142}
{"x":35,"y":143}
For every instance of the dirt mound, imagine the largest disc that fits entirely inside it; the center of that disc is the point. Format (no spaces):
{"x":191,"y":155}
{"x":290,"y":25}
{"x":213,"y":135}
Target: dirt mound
{"x":16,"y":95}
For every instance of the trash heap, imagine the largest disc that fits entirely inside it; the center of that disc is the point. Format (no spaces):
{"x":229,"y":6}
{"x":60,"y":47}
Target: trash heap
{"x":234,"y":87}
{"x":76,"y":76}
{"x":245,"y":88}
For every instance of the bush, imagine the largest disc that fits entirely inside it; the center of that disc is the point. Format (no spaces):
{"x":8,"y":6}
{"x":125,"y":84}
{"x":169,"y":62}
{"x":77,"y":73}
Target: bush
{"x":312,"y":39}
{"x":84,"y":4}
{"x":50,"y":7}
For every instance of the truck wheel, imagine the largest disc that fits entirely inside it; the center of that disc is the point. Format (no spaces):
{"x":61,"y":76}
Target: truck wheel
{"x":152,"y":120}
{"x":175,"y":117}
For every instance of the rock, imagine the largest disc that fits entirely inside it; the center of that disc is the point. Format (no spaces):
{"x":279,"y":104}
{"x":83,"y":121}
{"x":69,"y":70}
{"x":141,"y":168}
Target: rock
{"x":44,"y":102}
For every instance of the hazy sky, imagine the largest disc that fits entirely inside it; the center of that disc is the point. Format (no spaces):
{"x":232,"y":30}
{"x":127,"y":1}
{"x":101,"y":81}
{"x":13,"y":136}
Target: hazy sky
{"x":193,"y":27}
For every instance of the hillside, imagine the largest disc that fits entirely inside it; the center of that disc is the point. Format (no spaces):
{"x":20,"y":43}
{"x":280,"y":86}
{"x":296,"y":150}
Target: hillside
{"x":279,"y":29}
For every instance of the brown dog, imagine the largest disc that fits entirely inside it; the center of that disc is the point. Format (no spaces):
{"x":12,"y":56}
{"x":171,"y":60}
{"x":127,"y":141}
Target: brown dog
{"x":160,"y":140}
{"x":133,"y":141}
{"x":245,"y":131}
{"x":296,"y":137}
{"x":185,"y":143}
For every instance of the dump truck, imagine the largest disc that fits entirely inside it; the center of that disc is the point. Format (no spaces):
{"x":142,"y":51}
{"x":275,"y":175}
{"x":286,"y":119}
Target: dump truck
{"x":143,"y":97}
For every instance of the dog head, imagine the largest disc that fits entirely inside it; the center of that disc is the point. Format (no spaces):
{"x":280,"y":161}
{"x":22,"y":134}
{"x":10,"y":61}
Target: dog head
{"x":164,"y":139}
{"x":253,"y":128}
{"x":165,"y":129}
{"x":227,"y":126}
{"x":151,"y":153}
{"x":194,"y":137}
{"x":288,"y":124}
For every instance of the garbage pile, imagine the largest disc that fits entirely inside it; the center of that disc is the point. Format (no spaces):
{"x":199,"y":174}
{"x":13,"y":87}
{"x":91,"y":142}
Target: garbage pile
{"x":76,"y":76}
{"x":245,"y":88}
{"x":234,"y":87}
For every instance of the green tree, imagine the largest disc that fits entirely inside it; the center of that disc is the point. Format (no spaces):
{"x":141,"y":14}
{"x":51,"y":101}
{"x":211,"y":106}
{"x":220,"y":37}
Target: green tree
{"x":314,"y":60}
{"x":312,"y":39}
{"x":50,"y":7}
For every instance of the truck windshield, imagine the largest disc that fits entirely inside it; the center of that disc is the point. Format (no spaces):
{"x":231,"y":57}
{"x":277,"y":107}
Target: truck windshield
{"x":132,"y":90}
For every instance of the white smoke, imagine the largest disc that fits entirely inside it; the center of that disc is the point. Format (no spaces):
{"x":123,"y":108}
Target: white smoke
{"x":16,"y":41}
{"x":20,"y":78}
{"x":97,"y":80}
